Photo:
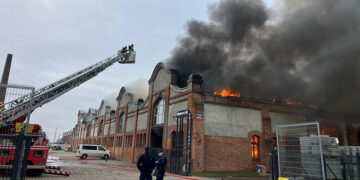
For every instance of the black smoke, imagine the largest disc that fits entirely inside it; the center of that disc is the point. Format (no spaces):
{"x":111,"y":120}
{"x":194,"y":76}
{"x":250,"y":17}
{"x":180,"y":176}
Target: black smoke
{"x":310,"y":53}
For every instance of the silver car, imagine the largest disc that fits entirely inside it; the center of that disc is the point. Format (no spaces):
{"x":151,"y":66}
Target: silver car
{"x":92,"y":150}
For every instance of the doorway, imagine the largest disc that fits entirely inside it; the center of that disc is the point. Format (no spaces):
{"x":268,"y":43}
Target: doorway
{"x":157,"y":137}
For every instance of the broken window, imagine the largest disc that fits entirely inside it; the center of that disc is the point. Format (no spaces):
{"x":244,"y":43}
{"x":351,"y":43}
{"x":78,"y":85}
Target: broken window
{"x":255,"y":147}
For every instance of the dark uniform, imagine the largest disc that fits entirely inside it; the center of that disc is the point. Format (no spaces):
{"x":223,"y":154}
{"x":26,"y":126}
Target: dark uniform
{"x":160,"y":167}
{"x":146,"y":165}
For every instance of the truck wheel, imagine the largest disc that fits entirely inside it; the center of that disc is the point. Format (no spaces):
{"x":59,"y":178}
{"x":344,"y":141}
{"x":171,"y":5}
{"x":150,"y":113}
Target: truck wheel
{"x":84,"y":156}
{"x":106,"y":156}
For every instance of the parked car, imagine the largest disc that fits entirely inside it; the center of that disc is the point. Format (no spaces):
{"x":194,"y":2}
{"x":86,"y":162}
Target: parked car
{"x":92,"y":150}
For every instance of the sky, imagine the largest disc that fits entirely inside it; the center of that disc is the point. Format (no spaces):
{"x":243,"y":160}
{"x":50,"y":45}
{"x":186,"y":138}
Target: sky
{"x":52,"y":39}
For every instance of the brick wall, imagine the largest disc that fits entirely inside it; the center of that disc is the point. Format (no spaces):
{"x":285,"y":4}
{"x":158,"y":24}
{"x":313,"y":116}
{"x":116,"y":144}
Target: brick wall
{"x":228,"y":154}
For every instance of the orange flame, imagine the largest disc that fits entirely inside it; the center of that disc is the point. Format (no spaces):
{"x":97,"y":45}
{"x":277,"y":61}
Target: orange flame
{"x":227,"y":92}
{"x":289,"y":101}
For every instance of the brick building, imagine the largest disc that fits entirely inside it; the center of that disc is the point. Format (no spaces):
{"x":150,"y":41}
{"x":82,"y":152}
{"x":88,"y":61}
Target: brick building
{"x":67,"y":137}
{"x":228,"y":133}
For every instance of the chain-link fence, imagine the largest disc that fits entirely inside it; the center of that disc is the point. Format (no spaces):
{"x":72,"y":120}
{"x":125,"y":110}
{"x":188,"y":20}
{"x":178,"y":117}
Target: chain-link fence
{"x":14,"y":145}
{"x":300,"y":151}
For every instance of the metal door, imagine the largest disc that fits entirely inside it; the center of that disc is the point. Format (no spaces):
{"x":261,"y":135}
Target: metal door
{"x":180,"y":154}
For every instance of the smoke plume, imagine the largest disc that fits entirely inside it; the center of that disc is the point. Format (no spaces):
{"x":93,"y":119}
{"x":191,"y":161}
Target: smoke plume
{"x":310,"y":54}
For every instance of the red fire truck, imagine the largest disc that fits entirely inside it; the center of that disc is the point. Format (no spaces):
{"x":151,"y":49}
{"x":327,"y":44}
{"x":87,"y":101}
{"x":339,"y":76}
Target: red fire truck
{"x":38,"y":152}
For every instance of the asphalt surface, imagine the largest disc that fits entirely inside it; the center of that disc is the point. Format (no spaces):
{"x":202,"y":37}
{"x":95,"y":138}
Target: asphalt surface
{"x":99,"y":169}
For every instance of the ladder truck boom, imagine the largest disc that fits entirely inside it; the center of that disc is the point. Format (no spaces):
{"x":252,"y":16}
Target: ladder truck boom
{"x":20,"y":107}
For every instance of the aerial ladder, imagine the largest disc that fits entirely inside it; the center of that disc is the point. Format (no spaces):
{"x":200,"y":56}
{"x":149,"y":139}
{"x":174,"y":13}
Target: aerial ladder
{"x":18,"y":109}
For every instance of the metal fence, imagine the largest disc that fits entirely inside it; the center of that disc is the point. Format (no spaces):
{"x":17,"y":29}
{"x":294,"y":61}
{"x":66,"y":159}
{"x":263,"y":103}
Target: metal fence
{"x":14,"y":152}
{"x":304,"y":154}
{"x":14,"y":142}
{"x":344,"y":166}
{"x":350,"y":162}
{"x":300,"y":151}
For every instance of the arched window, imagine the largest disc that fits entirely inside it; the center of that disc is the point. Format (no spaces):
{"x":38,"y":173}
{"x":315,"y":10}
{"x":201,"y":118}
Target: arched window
{"x":88,"y":131}
{"x":159,"y":111}
{"x":255,"y":147}
{"x":101,"y":128}
{"x":121,"y":123}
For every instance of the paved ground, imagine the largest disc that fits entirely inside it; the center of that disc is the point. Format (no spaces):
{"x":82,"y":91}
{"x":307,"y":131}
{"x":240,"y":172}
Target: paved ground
{"x":98,"y":169}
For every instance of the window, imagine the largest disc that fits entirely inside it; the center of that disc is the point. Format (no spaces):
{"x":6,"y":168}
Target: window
{"x":5,"y":153}
{"x":159,"y":110}
{"x":38,"y":154}
{"x":121,"y":123}
{"x":92,"y":132}
{"x":101,"y":148}
{"x":89,"y":147}
{"x":106,"y":130}
{"x":119,"y":141}
{"x":88,"y":131}
{"x":96,"y":131}
{"x":112,"y":126}
{"x":255,"y":147}
{"x":101,"y":128}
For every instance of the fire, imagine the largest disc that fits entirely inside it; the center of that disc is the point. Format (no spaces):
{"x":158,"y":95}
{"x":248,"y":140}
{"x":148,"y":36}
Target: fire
{"x":289,"y":101}
{"x":227,"y":92}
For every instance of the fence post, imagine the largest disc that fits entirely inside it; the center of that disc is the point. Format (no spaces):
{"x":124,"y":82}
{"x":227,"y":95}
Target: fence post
{"x":26,"y":157}
{"x":271,"y":165}
{"x":15,"y":173}
{"x":324,"y":159}
{"x":343,"y":163}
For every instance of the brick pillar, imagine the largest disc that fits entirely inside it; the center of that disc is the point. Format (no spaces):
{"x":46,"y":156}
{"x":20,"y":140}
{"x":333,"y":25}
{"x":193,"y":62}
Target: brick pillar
{"x":149,"y":121}
{"x":166,"y":117}
{"x":265,"y":138}
{"x":134,"y":140}
{"x":196,"y":106}
{"x":124,"y":131}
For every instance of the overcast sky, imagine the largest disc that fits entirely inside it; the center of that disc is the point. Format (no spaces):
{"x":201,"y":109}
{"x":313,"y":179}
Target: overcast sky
{"x":51,"y":39}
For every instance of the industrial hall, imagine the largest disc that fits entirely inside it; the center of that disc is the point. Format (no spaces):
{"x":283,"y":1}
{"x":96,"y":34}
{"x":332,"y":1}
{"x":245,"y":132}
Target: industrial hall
{"x":199,"y":131}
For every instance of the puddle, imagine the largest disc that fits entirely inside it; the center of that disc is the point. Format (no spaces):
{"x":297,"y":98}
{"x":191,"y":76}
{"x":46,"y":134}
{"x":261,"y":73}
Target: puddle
{"x":55,"y":161}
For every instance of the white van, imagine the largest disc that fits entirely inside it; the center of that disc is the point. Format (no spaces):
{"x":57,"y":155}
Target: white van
{"x":92,"y":150}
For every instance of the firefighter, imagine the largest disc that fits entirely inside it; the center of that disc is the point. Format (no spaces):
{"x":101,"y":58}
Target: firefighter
{"x":161,"y":165}
{"x":124,"y":49}
{"x":146,"y":165}
{"x":131,"y":47}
